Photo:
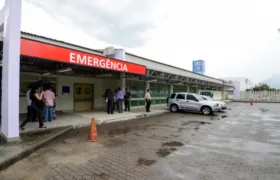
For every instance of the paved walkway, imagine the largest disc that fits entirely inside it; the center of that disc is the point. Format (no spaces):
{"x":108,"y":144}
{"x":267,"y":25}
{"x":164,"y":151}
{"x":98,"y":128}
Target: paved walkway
{"x":243,"y":146}
{"x":83,"y":119}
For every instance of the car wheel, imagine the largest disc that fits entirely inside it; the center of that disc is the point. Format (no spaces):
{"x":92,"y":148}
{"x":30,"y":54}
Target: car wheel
{"x":174,"y":108}
{"x":206,"y":110}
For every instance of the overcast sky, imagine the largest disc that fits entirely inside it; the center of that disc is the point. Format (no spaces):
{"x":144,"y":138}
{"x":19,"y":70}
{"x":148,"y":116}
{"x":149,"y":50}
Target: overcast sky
{"x":235,"y":37}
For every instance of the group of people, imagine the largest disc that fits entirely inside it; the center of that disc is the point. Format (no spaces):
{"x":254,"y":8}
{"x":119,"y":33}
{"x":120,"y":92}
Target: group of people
{"x":39,"y":99}
{"x":115,"y":99}
{"x":42,"y":99}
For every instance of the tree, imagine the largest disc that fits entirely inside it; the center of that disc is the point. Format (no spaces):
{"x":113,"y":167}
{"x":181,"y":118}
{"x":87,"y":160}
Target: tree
{"x":262,"y":87}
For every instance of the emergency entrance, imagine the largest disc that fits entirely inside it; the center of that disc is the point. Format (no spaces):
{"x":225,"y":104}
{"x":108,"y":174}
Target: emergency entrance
{"x":83,"y":97}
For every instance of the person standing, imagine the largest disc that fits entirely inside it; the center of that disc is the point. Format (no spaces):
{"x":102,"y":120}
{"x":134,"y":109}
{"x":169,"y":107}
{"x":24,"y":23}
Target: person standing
{"x":36,"y":99}
{"x":120,"y":99}
{"x":110,"y":101}
{"x":127,"y":100}
{"x":49,"y":99}
{"x":105,"y":98}
{"x":29,"y":103}
{"x":148,"y":100}
{"x":116,"y":106}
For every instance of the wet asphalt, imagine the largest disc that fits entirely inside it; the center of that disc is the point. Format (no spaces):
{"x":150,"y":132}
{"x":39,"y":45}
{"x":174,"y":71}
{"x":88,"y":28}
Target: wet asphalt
{"x":242,"y":142}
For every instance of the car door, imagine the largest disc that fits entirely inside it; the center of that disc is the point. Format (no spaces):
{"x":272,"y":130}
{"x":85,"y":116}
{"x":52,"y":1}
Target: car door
{"x":181,"y":100}
{"x":192,"y":103}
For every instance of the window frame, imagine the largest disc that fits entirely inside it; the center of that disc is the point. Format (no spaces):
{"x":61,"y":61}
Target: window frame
{"x":191,"y":99}
{"x":172,"y":95}
{"x":180,"y":94}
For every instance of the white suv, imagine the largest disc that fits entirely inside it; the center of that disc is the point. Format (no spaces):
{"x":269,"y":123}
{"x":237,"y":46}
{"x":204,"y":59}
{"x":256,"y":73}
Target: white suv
{"x":192,"y":102}
{"x":222,"y":104}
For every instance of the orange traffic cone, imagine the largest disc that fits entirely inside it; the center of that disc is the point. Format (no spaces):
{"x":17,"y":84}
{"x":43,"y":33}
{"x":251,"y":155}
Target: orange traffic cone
{"x":92,"y":135}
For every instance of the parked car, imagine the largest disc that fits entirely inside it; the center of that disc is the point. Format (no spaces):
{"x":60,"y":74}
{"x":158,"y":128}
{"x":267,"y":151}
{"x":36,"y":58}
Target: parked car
{"x":192,"y":102}
{"x":222,"y":104}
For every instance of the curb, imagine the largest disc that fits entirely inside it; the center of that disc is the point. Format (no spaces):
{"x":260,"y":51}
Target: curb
{"x":8,"y":162}
{"x":146,"y":115}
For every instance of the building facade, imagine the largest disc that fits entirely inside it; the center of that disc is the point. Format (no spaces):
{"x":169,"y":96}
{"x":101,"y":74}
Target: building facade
{"x":80,"y":75}
{"x":240,"y":84}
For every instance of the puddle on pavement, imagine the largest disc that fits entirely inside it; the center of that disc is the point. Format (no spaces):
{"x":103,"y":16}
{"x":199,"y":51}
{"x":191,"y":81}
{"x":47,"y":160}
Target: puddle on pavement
{"x":120,"y":131}
{"x":114,"y":143}
{"x":173,"y":143}
{"x":218,"y":117}
{"x":174,"y":135}
{"x":205,"y":123}
{"x":145,"y":162}
{"x":194,"y":123}
{"x":181,"y":129}
{"x":163,"y":152}
{"x":264,"y":110}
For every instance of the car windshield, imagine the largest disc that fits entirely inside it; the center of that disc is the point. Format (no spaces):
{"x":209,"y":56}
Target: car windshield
{"x":199,"y":98}
{"x":204,"y":98}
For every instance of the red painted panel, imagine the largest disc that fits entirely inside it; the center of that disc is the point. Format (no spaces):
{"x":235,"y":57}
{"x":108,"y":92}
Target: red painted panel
{"x":65,"y":55}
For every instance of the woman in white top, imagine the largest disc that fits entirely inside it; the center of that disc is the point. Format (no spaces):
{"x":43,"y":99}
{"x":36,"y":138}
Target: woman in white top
{"x":148,"y":100}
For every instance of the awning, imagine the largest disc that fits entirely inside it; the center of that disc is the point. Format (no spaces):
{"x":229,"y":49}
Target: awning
{"x":51,"y":52}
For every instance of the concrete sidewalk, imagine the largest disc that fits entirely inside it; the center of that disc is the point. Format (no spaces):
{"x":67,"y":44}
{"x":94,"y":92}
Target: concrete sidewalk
{"x":83,"y":119}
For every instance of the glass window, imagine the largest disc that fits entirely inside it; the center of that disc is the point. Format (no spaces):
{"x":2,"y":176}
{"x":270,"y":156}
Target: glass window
{"x":87,"y":91}
{"x":181,"y":96}
{"x":142,"y":102}
{"x":79,"y":90}
{"x":191,"y":97}
{"x":172,"y":96}
{"x":134,"y":103}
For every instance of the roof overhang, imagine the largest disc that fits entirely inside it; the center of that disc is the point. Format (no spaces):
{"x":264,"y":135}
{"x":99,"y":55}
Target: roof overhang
{"x":42,"y":50}
{"x":174,"y":78}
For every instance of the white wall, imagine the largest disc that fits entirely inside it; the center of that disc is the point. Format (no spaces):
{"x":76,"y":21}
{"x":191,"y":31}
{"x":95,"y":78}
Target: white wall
{"x":261,"y":96}
{"x":64,"y":102}
{"x":245,"y":83}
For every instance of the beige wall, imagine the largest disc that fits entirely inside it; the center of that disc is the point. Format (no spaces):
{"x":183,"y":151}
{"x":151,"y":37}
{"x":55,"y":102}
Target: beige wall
{"x":217,"y":95}
{"x":65,"y":101}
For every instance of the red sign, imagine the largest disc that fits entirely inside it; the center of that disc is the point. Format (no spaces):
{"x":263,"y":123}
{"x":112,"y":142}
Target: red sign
{"x":61,"y":54}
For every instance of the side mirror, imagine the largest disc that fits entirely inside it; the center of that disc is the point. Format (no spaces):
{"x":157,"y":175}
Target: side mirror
{"x":196,"y":100}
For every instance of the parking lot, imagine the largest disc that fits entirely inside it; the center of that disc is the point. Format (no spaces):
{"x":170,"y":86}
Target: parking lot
{"x":241,"y":143}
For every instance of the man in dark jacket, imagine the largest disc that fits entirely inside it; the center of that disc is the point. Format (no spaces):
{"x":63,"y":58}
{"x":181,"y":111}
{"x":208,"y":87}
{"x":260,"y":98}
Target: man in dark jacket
{"x":110,"y":101}
{"x":127,"y":97}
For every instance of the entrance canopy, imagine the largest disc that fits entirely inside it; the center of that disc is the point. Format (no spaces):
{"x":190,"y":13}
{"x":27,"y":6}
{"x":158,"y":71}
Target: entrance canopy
{"x":45,"y":51}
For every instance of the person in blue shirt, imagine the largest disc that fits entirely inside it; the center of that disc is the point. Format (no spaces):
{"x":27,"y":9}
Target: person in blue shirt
{"x":121,"y":95}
